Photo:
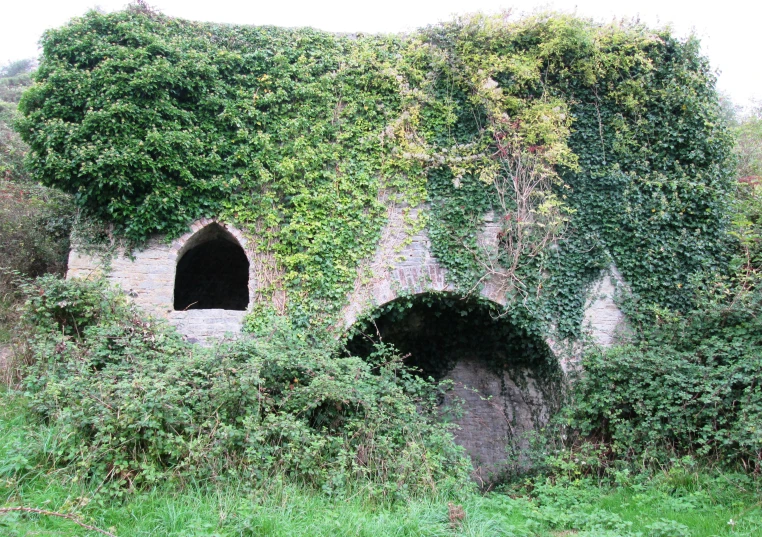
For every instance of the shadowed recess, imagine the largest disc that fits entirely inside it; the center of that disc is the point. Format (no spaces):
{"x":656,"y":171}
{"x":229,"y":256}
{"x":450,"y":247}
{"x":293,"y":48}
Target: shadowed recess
{"x":504,"y":381}
{"x":435,"y":331}
{"x":213,"y":273}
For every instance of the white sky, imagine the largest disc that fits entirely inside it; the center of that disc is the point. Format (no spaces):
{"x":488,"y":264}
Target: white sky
{"x":729,"y":30}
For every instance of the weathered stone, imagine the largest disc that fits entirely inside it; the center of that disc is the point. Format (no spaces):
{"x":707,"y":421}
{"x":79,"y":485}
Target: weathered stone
{"x":148,"y":278}
{"x":603,"y":319}
{"x":402,"y":264}
{"x":497,"y":413}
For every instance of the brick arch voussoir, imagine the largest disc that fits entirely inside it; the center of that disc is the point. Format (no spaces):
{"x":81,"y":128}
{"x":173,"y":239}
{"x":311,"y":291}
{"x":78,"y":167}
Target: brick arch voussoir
{"x":409,"y":280}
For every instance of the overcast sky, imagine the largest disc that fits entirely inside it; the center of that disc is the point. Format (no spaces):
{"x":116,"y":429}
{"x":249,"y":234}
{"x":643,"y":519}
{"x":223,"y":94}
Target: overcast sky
{"x":729,"y":30}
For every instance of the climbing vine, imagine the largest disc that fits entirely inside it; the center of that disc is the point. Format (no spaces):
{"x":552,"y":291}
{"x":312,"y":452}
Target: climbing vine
{"x":302,"y":138}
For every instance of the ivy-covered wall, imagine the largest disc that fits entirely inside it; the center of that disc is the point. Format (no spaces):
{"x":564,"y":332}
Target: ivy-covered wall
{"x":589,"y":143}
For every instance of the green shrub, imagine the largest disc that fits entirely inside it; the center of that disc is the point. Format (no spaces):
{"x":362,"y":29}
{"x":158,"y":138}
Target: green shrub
{"x":133,"y":404}
{"x":693,"y":384}
{"x":34,"y":239}
{"x":34,"y":228}
{"x":35,"y":221}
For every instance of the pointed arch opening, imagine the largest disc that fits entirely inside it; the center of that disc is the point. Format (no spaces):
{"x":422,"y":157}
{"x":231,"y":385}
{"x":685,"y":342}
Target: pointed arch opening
{"x":212,"y":272}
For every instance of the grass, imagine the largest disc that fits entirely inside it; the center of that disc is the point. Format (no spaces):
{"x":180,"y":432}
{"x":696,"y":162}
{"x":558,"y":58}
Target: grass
{"x":679,"y":503}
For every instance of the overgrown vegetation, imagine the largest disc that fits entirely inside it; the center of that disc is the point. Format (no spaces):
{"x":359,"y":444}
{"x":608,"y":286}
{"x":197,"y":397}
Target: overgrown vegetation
{"x":684,"y":500}
{"x":14,"y":79}
{"x":690,"y":382}
{"x":691,"y":386}
{"x":35,"y":221}
{"x":135,"y":405}
{"x":591,"y":143}
{"x":747,"y":128}
{"x":296,"y":135}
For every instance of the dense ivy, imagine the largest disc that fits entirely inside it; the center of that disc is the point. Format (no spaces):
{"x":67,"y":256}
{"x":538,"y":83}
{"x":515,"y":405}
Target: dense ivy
{"x":296,"y":136}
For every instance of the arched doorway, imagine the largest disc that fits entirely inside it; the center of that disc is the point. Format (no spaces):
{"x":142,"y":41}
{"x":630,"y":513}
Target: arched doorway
{"x":212,"y":273}
{"x":507,"y":379}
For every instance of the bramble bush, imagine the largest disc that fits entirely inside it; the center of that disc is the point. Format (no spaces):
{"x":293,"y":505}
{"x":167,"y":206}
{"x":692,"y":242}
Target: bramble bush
{"x":686,"y":385}
{"x":35,"y":222}
{"x":133,"y":404}
{"x":666,"y":397}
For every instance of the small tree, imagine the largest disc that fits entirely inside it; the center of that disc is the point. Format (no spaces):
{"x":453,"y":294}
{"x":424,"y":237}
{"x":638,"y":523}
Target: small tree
{"x":532,"y":216}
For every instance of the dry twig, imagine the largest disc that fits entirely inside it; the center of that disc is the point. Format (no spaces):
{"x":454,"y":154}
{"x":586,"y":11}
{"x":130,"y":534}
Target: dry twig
{"x":71,"y":517}
{"x":531,"y":217}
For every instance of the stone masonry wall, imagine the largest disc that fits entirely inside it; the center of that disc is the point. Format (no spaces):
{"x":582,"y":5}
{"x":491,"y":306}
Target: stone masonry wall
{"x":496,"y":409}
{"x":603,"y":319}
{"x":403,"y":263}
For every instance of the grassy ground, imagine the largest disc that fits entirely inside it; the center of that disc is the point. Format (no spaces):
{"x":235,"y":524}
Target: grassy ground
{"x":679,"y":503}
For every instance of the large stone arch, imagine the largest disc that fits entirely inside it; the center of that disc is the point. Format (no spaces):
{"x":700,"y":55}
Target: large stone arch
{"x":499,"y":407}
{"x":506,"y":381}
{"x":403,"y":265}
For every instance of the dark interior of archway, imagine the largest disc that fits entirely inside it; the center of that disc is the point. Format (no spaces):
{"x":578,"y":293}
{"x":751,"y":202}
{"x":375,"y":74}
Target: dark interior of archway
{"x":436,"y":331}
{"x":214,"y":274}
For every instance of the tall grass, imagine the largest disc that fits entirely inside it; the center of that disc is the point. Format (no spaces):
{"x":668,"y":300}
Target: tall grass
{"x":683,"y":501}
